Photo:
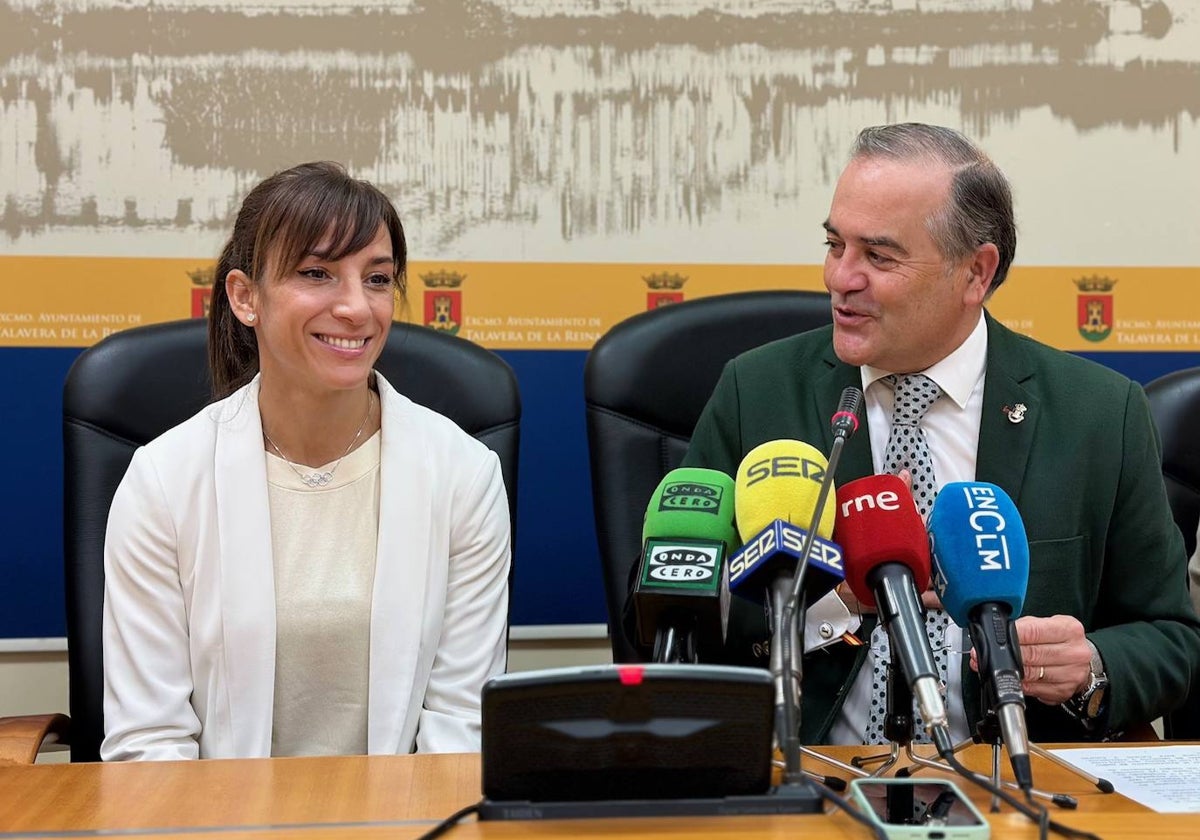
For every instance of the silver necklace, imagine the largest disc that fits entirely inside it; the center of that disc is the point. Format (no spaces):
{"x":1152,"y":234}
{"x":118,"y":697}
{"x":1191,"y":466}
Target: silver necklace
{"x":320,"y":479}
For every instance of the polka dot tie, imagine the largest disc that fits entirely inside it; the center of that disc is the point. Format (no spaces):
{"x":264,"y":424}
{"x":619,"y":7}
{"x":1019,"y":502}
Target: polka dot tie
{"x":908,"y":449}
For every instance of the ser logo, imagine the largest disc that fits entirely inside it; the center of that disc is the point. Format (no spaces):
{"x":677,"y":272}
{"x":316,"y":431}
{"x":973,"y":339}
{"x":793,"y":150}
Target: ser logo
{"x":691,"y":496}
{"x":676,"y":563}
{"x":784,"y":466}
{"x":791,"y":540}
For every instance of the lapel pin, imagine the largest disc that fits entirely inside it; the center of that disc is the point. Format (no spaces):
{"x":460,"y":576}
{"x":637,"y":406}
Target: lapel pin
{"x":1015,"y":413}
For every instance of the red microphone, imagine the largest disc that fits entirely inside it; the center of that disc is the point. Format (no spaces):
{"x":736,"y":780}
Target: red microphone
{"x":877,"y":523}
{"x":886,"y":557}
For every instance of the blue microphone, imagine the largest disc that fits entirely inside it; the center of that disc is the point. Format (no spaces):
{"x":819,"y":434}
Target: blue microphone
{"x":979,"y":548}
{"x":981,"y":554}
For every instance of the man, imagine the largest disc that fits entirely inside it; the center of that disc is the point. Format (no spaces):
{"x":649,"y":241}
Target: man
{"x":920,"y":233}
{"x":1194,"y":574}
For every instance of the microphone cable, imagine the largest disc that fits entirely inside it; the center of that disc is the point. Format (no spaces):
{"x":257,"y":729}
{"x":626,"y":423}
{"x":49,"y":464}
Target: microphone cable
{"x":451,"y":821}
{"x":1037,"y":813}
{"x":854,"y":813}
{"x":1043,"y":815}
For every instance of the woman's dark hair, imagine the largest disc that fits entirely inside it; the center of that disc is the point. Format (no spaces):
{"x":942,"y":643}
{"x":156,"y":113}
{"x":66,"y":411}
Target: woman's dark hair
{"x":284,"y":218}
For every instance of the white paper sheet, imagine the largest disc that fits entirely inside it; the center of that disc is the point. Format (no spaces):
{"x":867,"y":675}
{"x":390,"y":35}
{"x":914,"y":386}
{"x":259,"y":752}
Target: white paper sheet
{"x":1166,"y":779}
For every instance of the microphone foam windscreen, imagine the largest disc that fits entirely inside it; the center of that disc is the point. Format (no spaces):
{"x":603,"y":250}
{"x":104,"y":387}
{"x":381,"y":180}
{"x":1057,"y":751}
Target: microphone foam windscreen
{"x":781,"y":479}
{"x":980,"y":548}
{"x":877,"y":522}
{"x":692,"y":503}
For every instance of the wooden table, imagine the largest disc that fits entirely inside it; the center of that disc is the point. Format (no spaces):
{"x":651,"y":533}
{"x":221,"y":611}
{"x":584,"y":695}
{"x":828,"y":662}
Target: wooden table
{"x":363,"y":798}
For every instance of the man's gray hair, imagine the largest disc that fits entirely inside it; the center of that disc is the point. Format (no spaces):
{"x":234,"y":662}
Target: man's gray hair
{"x":980,"y":209}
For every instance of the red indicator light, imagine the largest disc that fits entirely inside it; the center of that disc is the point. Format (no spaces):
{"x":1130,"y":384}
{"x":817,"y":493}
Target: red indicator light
{"x":631,"y":674}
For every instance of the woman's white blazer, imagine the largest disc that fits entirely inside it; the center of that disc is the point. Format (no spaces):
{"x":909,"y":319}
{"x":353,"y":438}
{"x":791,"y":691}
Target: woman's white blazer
{"x":189,"y":606}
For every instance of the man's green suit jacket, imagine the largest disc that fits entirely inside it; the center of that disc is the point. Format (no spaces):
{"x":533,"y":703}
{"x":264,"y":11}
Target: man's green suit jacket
{"x":1084,"y":469}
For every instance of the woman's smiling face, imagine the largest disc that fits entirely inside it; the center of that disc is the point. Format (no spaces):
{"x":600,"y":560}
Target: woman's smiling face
{"x":322,"y":324}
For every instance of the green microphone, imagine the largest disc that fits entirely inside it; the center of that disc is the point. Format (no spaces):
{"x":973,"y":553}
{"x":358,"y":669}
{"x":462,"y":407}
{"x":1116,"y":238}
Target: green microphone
{"x":681,"y":597}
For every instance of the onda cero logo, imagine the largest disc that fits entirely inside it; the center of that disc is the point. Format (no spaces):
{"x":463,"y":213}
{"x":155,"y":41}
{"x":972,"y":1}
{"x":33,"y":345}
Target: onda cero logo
{"x":691,"y":496}
{"x":683,"y":563}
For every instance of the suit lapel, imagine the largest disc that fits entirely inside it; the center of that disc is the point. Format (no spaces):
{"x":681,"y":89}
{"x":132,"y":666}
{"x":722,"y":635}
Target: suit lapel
{"x":826,"y":392}
{"x":247,"y":572}
{"x":1006,"y":431}
{"x":402,"y":562}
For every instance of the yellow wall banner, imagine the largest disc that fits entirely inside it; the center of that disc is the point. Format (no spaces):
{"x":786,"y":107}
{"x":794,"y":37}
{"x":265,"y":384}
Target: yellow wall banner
{"x":1103,"y":308}
{"x":76,"y":301}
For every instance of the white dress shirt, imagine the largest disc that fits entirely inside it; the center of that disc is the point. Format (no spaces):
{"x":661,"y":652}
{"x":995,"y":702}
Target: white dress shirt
{"x":951,"y":427}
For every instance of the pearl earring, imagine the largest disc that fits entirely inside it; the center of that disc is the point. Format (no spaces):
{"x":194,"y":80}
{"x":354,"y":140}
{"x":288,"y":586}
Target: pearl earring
{"x":250,"y":318}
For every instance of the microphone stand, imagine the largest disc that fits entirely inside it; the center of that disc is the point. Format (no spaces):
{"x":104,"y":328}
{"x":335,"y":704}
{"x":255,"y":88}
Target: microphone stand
{"x":897,"y":725}
{"x":987,"y":731}
{"x":797,"y":784}
{"x":791,"y":636}
{"x":665,"y":646}
{"x":844,"y":422}
{"x":671,"y":646}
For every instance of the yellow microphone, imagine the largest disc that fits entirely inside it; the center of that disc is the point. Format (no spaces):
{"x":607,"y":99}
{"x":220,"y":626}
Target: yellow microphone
{"x":775,"y":497}
{"x":781,"y":479}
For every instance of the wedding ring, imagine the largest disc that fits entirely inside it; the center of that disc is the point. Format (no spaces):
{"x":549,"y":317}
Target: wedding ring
{"x":1041,"y":672}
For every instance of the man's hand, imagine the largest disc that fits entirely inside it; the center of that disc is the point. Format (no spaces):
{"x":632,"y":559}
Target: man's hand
{"x":1056,"y":656}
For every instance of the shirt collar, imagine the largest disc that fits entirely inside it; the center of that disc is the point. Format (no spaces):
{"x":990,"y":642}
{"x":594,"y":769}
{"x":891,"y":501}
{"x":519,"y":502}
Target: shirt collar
{"x":956,"y":374}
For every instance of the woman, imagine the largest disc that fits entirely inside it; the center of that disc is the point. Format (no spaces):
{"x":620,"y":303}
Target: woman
{"x":313,"y":564}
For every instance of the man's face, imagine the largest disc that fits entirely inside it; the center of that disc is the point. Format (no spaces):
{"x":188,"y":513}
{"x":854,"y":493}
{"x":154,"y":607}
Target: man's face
{"x":898,"y":303}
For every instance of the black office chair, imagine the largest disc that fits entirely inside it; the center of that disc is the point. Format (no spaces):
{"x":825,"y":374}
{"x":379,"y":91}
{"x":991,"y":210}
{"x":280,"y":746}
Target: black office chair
{"x":1175,"y":405}
{"x":136,"y":384}
{"x":645,"y":384}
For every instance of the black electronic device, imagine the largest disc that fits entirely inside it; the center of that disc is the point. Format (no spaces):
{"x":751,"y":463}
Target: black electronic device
{"x":630,"y":740}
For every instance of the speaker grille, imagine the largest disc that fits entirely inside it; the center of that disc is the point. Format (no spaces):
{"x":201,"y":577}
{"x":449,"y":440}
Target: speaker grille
{"x":679,"y":733}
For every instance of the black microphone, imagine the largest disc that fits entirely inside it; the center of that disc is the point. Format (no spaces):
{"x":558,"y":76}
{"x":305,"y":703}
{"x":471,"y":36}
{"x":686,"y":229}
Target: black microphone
{"x":845,"y":419}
